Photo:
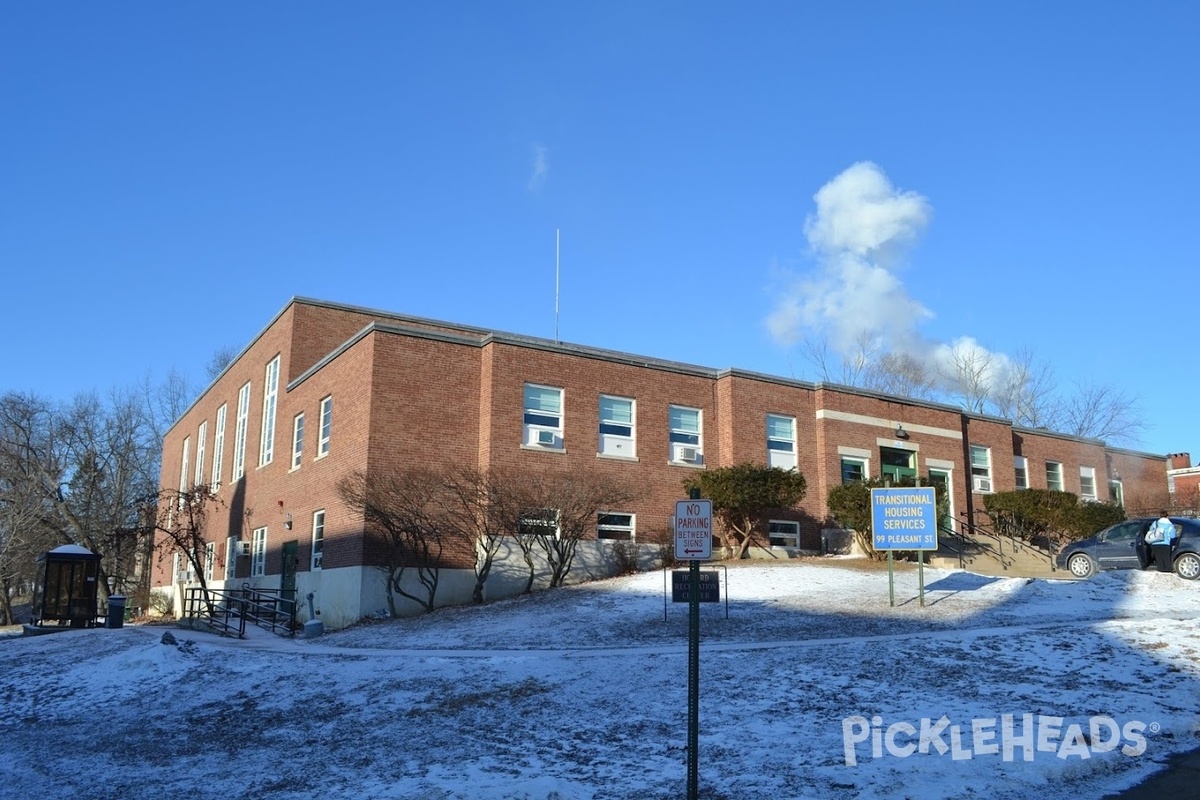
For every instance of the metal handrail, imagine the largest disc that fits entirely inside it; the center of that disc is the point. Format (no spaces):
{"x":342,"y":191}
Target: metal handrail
{"x":228,"y":610}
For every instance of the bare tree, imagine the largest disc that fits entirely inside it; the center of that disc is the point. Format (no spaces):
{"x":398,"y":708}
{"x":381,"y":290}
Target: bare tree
{"x":846,"y":370}
{"x":180,"y":527}
{"x":1026,"y":392}
{"x":969,"y":375}
{"x":221,"y":358}
{"x":560,"y":510}
{"x":1101,"y":411}
{"x":899,"y":374}
{"x":409,"y":510}
{"x":479,"y":509}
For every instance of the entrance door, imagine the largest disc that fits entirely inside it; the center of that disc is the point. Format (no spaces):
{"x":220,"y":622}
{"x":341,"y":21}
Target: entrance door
{"x":940,"y":479}
{"x":897,"y":464}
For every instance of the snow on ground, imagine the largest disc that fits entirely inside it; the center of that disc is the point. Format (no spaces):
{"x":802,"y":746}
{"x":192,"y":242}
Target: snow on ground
{"x":814,"y":687}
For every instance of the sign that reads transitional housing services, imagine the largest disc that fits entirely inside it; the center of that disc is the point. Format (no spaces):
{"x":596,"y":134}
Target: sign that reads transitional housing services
{"x":904,"y":519}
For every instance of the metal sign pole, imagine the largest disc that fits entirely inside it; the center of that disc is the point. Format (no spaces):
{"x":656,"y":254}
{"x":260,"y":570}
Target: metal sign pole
{"x":693,"y":746}
{"x":891,"y":584}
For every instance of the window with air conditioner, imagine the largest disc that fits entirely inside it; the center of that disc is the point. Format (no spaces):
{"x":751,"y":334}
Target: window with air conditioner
{"x":981,"y":468}
{"x":685,"y":435}
{"x":617,"y":427}
{"x":542,"y":417}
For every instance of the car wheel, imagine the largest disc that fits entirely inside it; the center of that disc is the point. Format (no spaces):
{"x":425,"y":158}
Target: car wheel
{"x":1187,"y":566}
{"x":1082,"y":566}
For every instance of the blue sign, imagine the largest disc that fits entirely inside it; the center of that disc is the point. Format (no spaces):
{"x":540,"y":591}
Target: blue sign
{"x":904,"y":519}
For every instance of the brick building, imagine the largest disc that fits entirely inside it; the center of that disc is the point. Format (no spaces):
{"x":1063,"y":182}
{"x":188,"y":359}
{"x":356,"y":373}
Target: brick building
{"x":326,"y":389}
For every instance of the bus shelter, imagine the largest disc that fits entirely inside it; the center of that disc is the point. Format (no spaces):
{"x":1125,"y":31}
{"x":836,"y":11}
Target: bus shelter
{"x":67,"y":587}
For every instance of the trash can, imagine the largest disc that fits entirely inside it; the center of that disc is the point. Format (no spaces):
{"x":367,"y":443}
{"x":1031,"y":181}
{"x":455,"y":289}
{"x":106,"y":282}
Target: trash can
{"x":116,"y":611}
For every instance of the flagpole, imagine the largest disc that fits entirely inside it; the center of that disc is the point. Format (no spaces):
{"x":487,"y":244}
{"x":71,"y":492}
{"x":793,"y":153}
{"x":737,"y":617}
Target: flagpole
{"x":556,"y":241}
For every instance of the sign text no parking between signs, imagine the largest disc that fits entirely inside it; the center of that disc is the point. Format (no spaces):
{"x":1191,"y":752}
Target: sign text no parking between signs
{"x":693,"y":530}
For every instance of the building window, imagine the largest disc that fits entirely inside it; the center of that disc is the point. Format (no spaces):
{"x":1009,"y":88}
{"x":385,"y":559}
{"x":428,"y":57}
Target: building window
{"x":210,"y":559}
{"x":617,"y":527}
{"x":231,"y":554}
{"x":201,"y":435}
{"x":781,"y":441}
{"x":239,"y":434}
{"x":1021,"y":470}
{"x":1087,"y":484}
{"x":784,"y":533}
{"x":981,"y":468}
{"x":258,"y":553}
{"x":686,"y":435}
{"x":539,"y":522}
{"x":896,"y":464}
{"x":183,"y":470}
{"x":543,"y":423}
{"x":297,"y":441}
{"x":266,"y":446}
{"x":326,"y":426}
{"x":1116,"y":492}
{"x":318,"y":540}
{"x":1054,"y":476}
{"x":854,"y":470}
{"x":616,"y":427}
{"x":218,"y":448}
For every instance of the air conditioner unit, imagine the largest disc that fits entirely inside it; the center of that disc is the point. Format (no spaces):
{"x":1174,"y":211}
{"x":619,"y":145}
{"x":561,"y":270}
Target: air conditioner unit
{"x":689,"y":454}
{"x":983,"y":484}
{"x":241,"y":548}
{"x":546,"y":438}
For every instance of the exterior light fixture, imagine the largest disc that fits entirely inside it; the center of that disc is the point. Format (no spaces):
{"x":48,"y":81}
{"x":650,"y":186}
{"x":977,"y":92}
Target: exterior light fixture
{"x":901,"y":433}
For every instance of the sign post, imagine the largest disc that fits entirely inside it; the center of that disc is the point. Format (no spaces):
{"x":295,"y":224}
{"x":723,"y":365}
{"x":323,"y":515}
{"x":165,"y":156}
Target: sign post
{"x":693,"y":543}
{"x":904,"y":519}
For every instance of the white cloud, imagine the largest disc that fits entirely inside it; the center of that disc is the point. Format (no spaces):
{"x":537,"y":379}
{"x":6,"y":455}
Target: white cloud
{"x":861,"y":227}
{"x":859,"y":233}
{"x":541,"y":166}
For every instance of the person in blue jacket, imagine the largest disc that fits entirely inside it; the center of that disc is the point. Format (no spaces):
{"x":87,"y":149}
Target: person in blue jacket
{"x":1161,"y":537}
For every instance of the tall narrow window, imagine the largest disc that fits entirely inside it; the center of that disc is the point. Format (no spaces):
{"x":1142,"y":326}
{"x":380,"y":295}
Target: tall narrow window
{"x":1054,"y":476}
{"x":210,"y":560}
{"x":239,"y":434}
{"x":1116,"y":492}
{"x":318,"y":539}
{"x":258,"y":553}
{"x":617,"y":427}
{"x":781,"y":441}
{"x":231,"y":554}
{"x":201,"y":435}
{"x":686,"y":435}
{"x":183,"y":470}
{"x":543,"y":417}
{"x":1021,"y":470}
{"x":218,"y":448}
{"x":1087,"y":484}
{"x":297,"y":441}
{"x":266,"y":445}
{"x":981,"y":468}
{"x":326,"y":426}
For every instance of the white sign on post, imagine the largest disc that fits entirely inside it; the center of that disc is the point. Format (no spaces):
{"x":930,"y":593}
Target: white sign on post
{"x":693,"y":530}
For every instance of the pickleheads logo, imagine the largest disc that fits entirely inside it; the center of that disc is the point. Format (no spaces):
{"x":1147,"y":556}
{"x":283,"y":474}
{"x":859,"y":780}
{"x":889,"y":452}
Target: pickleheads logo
{"x":1005,"y":736}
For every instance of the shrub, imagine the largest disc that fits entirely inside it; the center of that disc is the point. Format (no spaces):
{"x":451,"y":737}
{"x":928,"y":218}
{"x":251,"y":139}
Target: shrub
{"x":1053,"y":516}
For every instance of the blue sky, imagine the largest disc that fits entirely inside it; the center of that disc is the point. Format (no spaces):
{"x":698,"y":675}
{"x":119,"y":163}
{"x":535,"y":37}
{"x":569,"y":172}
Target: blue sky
{"x":171,"y":174}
